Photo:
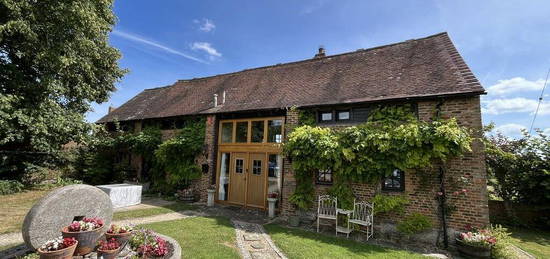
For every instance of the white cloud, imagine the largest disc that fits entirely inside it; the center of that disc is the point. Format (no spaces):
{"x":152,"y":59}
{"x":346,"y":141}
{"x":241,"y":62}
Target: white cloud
{"x":513,"y":105}
{"x":207,"y":47}
{"x":511,"y":129}
{"x":546,"y":131}
{"x":516,"y":84}
{"x":205,"y":25}
{"x":142,"y":40}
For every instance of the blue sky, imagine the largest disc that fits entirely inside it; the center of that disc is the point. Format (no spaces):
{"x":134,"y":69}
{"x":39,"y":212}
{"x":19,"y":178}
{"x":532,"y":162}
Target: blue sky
{"x":505,"y":43}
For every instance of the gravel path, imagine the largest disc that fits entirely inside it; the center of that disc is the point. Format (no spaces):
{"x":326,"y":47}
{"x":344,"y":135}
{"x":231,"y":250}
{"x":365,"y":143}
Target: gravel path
{"x":254,"y":243}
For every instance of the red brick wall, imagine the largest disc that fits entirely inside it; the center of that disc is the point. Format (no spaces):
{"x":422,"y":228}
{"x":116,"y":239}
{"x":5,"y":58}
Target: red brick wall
{"x":421,"y":187}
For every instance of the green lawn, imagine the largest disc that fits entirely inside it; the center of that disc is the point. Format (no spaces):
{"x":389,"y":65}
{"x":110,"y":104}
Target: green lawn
{"x":129,"y":214}
{"x":297,"y":243}
{"x":535,"y":242}
{"x":200,"y":237}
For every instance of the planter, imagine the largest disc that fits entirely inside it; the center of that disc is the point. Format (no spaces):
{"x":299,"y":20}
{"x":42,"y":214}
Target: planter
{"x":271,"y":203}
{"x":121,"y":237}
{"x":87,"y":240}
{"x":109,"y":254}
{"x":472,"y":251}
{"x":211,"y":193}
{"x":66,"y":253}
{"x":294,"y":221}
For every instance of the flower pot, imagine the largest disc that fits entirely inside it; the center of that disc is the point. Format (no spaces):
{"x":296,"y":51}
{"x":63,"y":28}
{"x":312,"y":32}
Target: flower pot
{"x":65,"y":253}
{"x":210,"y":201}
{"x":86,"y":239}
{"x":271,"y":206}
{"x":470,"y":251}
{"x":109,"y":254}
{"x":120,"y":237}
{"x":294,"y":221}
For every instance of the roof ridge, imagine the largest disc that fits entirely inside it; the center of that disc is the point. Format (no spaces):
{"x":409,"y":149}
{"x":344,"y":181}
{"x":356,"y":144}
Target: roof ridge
{"x":313,"y":59}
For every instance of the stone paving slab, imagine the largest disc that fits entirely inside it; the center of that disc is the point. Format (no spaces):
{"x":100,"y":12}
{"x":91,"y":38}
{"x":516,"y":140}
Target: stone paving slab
{"x":254,"y":243}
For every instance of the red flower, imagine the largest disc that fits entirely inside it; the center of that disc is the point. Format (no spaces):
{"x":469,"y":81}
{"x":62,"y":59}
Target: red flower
{"x":74,"y":227}
{"x":69,"y":241}
{"x":111,"y":244}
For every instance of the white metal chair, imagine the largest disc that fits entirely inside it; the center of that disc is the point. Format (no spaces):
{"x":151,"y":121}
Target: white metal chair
{"x":363,"y":214}
{"x":327,"y":209}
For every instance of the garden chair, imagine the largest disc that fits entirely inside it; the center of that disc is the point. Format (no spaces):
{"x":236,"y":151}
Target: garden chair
{"x":363,"y":215}
{"x":327,"y":209}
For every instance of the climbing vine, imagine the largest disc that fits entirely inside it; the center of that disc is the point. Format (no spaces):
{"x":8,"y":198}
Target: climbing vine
{"x":176,"y":156}
{"x":392,"y":138}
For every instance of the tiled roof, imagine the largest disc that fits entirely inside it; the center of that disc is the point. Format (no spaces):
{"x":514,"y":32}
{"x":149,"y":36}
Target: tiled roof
{"x":424,"y":67}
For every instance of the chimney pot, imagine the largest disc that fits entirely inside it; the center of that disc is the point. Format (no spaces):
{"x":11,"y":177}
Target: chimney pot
{"x":215,"y":100}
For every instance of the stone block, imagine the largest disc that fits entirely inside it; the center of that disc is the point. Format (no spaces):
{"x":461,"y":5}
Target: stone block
{"x":123,"y":195}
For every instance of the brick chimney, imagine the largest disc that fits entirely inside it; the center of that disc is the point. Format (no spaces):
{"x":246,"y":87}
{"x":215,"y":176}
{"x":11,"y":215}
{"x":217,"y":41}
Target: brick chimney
{"x":111,"y":108}
{"x":321,"y":52}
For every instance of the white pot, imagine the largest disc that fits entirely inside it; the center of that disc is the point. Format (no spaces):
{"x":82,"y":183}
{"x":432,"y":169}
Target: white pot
{"x":271,"y":203}
{"x":210,"y":201}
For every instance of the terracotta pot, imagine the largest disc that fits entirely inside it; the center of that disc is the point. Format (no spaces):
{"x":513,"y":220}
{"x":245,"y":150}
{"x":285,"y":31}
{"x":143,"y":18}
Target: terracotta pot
{"x":472,"y":251}
{"x":87,"y":240}
{"x":109,"y":254}
{"x":65,"y":253}
{"x":121,"y":237}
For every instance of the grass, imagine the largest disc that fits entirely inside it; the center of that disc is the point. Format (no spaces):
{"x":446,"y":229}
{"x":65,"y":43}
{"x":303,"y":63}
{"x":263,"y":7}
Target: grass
{"x":139,"y":213}
{"x":535,"y":242}
{"x":200,"y":237}
{"x":296,"y":243}
{"x":14,"y":207}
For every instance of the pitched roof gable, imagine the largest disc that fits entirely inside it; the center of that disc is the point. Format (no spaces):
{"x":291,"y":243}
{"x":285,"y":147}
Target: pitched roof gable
{"x":424,"y":67}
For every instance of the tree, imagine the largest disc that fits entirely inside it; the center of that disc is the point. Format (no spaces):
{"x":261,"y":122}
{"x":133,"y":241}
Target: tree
{"x":54,"y":61}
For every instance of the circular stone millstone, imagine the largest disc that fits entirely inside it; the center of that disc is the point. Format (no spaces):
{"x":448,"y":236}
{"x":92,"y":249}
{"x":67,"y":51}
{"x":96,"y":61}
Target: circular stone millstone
{"x":58,"y":209}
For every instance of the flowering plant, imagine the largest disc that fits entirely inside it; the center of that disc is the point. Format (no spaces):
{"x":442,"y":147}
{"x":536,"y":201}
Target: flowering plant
{"x":478,"y":238}
{"x":147,"y":244}
{"x":58,"y":244}
{"x":86,"y":224}
{"x":110,"y":244}
{"x":115,"y":229}
{"x":272,"y":195}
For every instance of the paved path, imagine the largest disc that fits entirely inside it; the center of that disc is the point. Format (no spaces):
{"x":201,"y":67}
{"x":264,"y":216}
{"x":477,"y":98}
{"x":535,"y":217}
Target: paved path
{"x":254,"y":243}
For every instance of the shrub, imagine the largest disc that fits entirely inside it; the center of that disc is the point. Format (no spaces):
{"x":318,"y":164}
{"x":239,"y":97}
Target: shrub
{"x":414,"y":224}
{"x":10,"y":186}
{"x":387,"y":203}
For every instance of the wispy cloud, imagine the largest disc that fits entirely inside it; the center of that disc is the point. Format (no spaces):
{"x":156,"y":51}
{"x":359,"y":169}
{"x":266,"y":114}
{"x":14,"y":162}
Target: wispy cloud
{"x":205,"y":25}
{"x":140,"y":39}
{"x":313,"y":7}
{"x":516,"y":84}
{"x":514,"y":105}
{"x":206,"y":47}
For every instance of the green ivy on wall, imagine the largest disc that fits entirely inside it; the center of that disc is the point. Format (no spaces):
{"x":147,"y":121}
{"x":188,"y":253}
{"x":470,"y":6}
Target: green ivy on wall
{"x":392,"y":138}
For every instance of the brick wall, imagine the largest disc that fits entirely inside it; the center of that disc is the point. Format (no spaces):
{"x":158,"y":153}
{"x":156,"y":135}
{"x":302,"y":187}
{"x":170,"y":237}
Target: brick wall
{"x":421,"y":187}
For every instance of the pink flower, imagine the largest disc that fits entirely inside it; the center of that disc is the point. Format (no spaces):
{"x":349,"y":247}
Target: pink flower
{"x":439,"y":193}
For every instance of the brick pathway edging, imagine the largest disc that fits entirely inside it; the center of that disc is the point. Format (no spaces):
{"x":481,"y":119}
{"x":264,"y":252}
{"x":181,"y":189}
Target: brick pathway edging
{"x":259,"y":243}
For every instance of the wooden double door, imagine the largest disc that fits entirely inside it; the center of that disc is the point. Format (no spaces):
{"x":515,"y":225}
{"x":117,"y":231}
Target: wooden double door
{"x":247,"y":179}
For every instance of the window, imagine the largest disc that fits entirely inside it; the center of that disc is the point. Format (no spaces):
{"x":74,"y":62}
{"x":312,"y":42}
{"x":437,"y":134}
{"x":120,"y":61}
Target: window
{"x":257,"y":167}
{"x":394,"y":182}
{"x":325,"y":116}
{"x":275,"y":131}
{"x":241,"y":135}
{"x":324,"y":177}
{"x":224,"y":177}
{"x":343,"y":115}
{"x":274,"y":169}
{"x":239,"y":166}
{"x":227,"y":132}
{"x":257,"y":131}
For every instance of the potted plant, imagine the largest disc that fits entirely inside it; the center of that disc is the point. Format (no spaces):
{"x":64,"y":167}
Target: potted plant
{"x":120,"y":233}
{"x":211,"y":192}
{"x":271,"y":200}
{"x":186,"y":195}
{"x":109,"y":249}
{"x":59,"y":248}
{"x":147,"y":244}
{"x":476,"y":243}
{"x":87,"y":231}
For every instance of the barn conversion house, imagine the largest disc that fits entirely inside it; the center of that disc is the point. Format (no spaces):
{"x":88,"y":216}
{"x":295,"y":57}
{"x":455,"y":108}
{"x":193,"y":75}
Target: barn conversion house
{"x":250,"y":113}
